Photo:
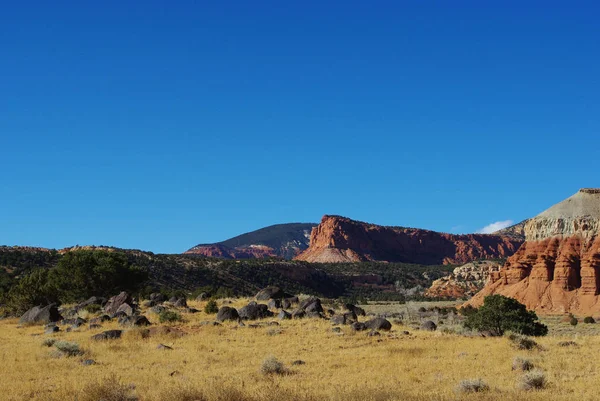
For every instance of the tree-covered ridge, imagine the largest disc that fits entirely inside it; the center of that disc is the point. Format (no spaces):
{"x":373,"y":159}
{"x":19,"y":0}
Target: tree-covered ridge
{"x":76,"y":274}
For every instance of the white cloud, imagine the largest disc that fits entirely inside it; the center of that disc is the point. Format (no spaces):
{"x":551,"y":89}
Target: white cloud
{"x":499,"y":225}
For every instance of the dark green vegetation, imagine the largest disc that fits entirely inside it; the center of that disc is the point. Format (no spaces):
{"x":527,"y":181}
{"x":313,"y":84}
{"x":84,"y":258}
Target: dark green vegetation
{"x":168,"y":316}
{"x":500,"y":314}
{"x":34,"y":277}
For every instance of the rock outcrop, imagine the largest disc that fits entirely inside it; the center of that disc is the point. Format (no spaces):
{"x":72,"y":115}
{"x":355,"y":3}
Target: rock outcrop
{"x":557,"y":270}
{"x":339,"y":239}
{"x":464,"y":281}
{"x":279,"y":241}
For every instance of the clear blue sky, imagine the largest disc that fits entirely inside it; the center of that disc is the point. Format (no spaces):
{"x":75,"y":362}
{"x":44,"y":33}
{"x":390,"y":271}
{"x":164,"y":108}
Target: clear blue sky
{"x":160,"y":125}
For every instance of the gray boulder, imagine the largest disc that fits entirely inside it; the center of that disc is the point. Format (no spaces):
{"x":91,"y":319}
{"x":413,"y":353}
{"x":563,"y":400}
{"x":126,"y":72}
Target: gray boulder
{"x":41,"y":315}
{"x":284,"y":315}
{"x":107,"y":335}
{"x":378,"y":323}
{"x":254,"y":311}
{"x":271,"y":292}
{"x":312,"y":304}
{"x":274,"y":304}
{"x":114,"y":303}
{"x":428,"y":325}
{"x":181,"y":303}
{"x":358,"y":326}
{"x":135,"y":321}
{"x":227,"y":313}
{"x":125,"y":308}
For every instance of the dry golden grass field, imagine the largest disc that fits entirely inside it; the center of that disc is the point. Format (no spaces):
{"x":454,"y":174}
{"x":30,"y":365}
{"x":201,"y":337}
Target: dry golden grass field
{"x":224,"y":363}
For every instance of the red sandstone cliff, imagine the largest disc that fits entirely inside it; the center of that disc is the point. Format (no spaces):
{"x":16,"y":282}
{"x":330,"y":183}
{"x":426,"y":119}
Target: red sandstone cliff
{"x":557,"y":270}
{"x":339,"y":239}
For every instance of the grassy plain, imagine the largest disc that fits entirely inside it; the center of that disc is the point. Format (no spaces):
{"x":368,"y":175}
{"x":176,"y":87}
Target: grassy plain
{"x":224,"y":362}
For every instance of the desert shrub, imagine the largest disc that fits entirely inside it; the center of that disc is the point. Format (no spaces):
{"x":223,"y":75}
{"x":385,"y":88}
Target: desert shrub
{"x":567,"y":344}
{"x":499,"y":314}
{"x":68,"y":348}
{"x":48,"y":342}
{"x":522,"y":364}
{"x":168,"y":316}
{"x":271,"y":366}
{"x":589,"y":320}
{"x":108,"y":389}
{"x":533,"y":380}
{"x":522,"y":342}
{"x":573,"y":321}
{"x":472,"y":386}
{"x":92,"y":308}
{"x":211,"y":307}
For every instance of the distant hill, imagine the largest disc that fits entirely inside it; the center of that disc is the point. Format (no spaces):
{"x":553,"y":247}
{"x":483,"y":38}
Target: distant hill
{"x":278,"y":241}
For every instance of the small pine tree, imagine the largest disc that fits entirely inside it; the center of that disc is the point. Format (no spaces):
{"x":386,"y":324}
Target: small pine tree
{"x":499,"y":314}
{"x":211,"y":307}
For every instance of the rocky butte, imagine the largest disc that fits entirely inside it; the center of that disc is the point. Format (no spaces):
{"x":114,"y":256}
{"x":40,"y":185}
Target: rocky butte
{"x":557,"y":269}
{"x":340,"y":239}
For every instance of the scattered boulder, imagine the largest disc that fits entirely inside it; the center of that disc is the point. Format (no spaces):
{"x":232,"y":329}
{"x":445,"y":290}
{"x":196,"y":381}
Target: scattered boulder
{"x":164,"y":347}
{"x":88,"y":362}
{"x":428,"y":325}
{"x":337,"y":329}
{"x":202,"y":297}
{"x":373,"y":333}
{"x":125,"y":308}
{"x":338,"y":319}
{"x":51,"y":328}
{"x":284,"y":315}
{"x":74,"y":322}
{"x":315,"y":315}
{"x":120,"y":314}
{"x":298,"y":314}
{"x":100,"y":319}
{"x":94,"y":326}
{"x":355,"y":309}
{"x":181,"y":303}
{"x":271,"y":292}
{"x":136,"y":321}
{"x":274,"y":304}
{"x":158,"y":309}
{"x":114,"y":303}
{"x":41,"y":315}
{"x":227,"y":313}
{"x":358,"y":326}
{"x":286,"y":304}
{"x":191,"y":310}
{"x":158,"y":298}
{"x":108,"y":335}
{"x":378,"y":323}
{"x":293,"y":300}
{"x":254,"y":311}
{"x":312,"y":304}
{"x":298,"y":362}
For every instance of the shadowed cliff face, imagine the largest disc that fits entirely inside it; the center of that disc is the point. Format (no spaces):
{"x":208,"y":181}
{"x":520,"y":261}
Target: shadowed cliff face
{"x":339,"y":239}
{"x":557,"y":270}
